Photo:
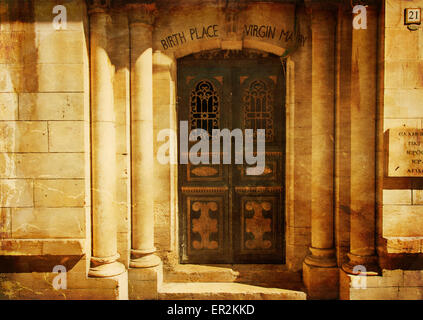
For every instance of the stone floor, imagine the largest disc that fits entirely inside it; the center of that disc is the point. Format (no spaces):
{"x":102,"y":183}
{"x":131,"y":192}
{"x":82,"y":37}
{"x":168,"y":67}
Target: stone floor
{"x":236,"y":282}
{"x":225,"y":291}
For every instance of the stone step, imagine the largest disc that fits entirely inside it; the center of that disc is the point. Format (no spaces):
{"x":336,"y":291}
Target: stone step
{"x":277,"y":276}
{"x":224,"y":291}
{"x":199,"y":273}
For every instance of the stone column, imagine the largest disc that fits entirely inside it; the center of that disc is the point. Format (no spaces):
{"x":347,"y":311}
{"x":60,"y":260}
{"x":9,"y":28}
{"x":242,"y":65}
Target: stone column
{"x":363,"y":146}
{"x":141,"y":18}
{"x":320,"y":272}
{"x":104,"y":233}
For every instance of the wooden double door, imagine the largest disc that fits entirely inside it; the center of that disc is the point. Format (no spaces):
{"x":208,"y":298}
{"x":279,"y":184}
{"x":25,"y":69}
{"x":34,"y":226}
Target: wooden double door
{"x":225,"y":214}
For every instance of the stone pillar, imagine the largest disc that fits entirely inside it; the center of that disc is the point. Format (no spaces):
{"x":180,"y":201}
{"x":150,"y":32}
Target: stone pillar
{"x":363,"y":146}
{"x":104,"y":233}
{"x":145,"y":272}
{"x":140,"y":21}
{"x":320,"y":273}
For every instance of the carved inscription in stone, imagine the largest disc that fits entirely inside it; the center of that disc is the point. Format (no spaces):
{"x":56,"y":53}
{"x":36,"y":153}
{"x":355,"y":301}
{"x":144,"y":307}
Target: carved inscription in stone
{"x":405,"y":156}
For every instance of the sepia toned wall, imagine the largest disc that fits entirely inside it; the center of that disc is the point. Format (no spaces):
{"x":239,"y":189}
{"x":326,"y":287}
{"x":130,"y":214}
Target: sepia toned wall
{"x":45,"y":153}
{"x":46,"y":143}
{"x":399,"y":214}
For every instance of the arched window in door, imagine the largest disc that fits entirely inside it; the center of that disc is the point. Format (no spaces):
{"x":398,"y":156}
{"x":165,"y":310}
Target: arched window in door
{"x":204,"y":111}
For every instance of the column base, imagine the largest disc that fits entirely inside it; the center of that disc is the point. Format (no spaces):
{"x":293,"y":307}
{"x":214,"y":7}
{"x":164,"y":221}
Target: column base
{"x":105,"y":268}
{"x":363,"y":265}
{"x":322,"y":283}
{"x":143,"y":259}
{"x":321,"y":257}
{"x":144,"y":283}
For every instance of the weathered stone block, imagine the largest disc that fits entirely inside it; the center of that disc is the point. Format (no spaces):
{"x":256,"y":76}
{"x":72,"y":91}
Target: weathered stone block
{"x":396,"y":196}
{"x":59,"y":193}
{"x":5,"y":223}
{"x":11,"y":47}
{"x":60,"y":47}
{"x":51,"y":106}
{"x":64,"y":247}
{"x":399,"y":103}
{"x":46,"y":247}
{"x":412,"y":77}
{"x":66,"y":136}
{"x":8,"y":106}
{"x":394,"y":14}
{"x":415,"y":293}
{"x":402,"y":221}
{"x":394,"y":68}
{"x":30,"y":223}
{"x":16,"y":193}
{"x":404,"y":244}
{"x":21,"y":247}
{"x":417,"y":196}
{"x":389,"y":278}
{"x":60,"y":77}
{"x":23,"y":136}
{"x":413,"y":278}
{"x":398,"y":39}
{"x":50,"y":165}
{"x":391,"y":293}
{"x":10,"y":77}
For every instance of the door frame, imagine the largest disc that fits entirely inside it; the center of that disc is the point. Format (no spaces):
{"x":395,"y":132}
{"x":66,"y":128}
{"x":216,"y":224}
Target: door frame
{"x":288,"y":163}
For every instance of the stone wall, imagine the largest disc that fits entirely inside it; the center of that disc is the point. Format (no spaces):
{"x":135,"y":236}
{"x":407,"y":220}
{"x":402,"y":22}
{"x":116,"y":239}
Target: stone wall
{"x":44,"y":123}
{"x":390,"y":285}
{"x":401,"y":216}
{"x":400,"y":209}
{"x":45,"y":153}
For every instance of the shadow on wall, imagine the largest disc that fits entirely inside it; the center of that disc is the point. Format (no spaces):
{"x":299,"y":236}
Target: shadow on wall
{"x":46,"y":263}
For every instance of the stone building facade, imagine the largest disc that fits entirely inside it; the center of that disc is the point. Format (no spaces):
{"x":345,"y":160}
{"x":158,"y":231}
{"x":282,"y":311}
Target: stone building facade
{"x":91,"y":92}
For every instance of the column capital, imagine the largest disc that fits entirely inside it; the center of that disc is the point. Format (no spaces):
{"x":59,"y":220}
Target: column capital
{"x":143,"y":13}
{"x":98,"y":6}
{"x":371,"y":3}
{"x":322,"y":12}
{"x":321,"y":5}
